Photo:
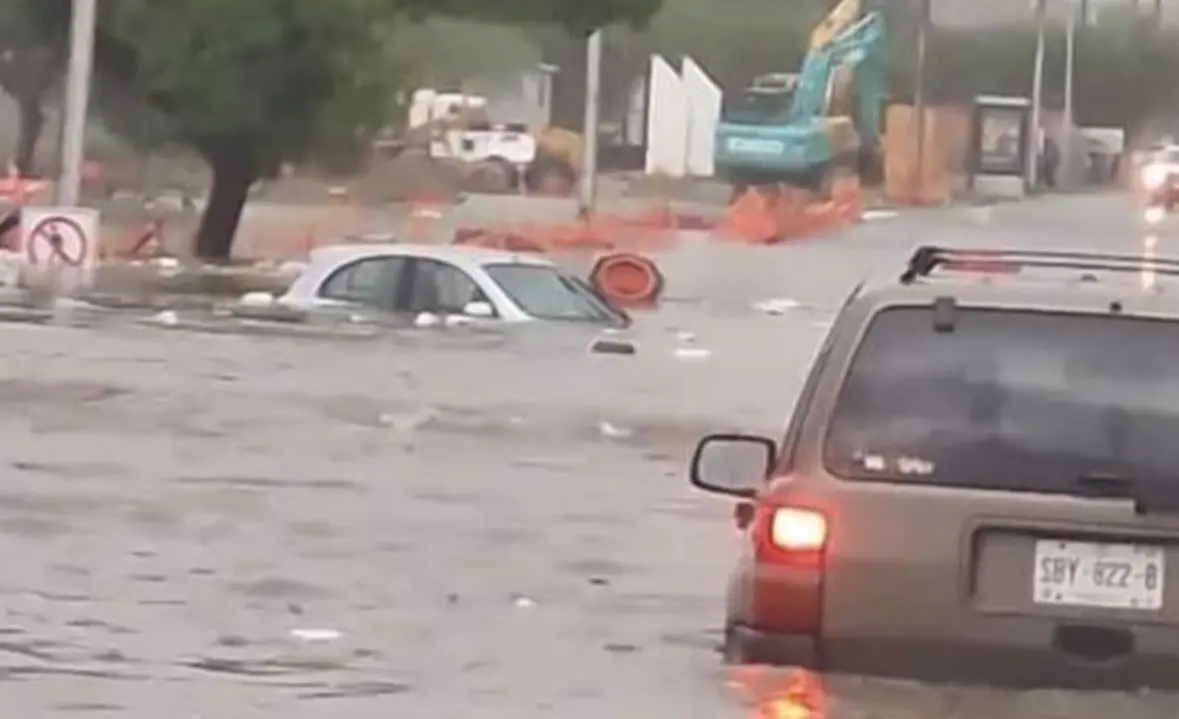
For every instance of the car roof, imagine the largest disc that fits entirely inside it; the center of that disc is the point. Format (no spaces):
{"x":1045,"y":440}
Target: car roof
{"x":464,"y":256}
{"x":1039,"y":281}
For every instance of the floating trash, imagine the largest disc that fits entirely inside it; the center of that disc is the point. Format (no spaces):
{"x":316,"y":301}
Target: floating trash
{"x":612,"y":347}
{"x":692,"y":353}
{"x":777,"y":305}
{"x":316,"y":635}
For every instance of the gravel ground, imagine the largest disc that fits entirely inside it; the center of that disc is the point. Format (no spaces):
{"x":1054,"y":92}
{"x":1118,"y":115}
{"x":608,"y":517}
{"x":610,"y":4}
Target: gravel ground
{"x":440,"y":523}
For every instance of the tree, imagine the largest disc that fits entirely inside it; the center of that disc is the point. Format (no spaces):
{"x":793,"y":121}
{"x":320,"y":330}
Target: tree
{"x":251,"y":85}
{"x":30,"y":65}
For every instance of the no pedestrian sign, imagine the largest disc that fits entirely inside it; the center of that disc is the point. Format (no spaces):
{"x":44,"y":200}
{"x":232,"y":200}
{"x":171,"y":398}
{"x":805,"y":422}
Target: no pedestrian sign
{"x":57,"y":241}
{"x":61,"y":239}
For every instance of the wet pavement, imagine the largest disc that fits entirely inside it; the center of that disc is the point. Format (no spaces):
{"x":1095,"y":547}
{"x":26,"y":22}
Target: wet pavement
{"x":434,"y":523}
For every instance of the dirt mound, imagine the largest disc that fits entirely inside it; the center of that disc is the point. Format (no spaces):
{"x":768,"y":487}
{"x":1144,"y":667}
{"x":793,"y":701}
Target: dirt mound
{"x":390,"y":179}
{"x":409,"y":175}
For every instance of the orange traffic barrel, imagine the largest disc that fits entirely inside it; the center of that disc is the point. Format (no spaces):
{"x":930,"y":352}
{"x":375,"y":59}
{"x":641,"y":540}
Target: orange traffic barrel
{"x":627,"y":279}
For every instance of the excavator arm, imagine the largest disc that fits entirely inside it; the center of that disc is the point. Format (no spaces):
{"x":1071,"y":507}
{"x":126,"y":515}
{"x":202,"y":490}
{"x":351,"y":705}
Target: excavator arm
{"x":859,"y":46}
{"x":840,"y":17}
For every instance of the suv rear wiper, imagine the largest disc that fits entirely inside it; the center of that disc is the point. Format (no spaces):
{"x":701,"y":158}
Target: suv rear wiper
{"x":1150,"y":497}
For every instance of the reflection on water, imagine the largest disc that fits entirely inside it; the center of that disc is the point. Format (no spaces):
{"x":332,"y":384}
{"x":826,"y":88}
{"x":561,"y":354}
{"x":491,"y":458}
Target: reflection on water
{"x":780,"y":694}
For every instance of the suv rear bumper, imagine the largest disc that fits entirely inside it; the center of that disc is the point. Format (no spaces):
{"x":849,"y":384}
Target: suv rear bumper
{"x":758,"y":647}
{"x":958,"y":665}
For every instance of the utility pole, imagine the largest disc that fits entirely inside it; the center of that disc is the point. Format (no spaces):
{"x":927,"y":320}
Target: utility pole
{"x":77,"y":98}
{"x":1070,"y":54}
{"x":924,"y":20}
{"x":593,"y":94}
{"x":1033,"y":146}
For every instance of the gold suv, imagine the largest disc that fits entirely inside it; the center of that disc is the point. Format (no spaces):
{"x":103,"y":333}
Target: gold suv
{"x":979,"y":482}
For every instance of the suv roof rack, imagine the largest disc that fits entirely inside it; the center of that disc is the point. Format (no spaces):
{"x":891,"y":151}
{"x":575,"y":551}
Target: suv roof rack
{"x":927,"y":258}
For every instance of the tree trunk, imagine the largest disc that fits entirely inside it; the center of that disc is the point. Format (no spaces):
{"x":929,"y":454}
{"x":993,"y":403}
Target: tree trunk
{"x":32,"y":122}
{"x":234,"y":171}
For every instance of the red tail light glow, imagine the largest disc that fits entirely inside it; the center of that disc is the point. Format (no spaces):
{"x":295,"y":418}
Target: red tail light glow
{"x":791,"y":546}
{"x":798,"y":530}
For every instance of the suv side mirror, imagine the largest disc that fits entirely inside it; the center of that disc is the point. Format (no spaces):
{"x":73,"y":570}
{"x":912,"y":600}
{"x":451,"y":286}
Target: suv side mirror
{"x":732,"y":464}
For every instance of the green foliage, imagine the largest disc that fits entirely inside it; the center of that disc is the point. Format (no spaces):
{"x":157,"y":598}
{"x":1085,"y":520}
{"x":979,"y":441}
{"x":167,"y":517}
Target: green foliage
{"x":576,"y":16}
{"x":444,"y":52}
{"x":30,"y":60}
{"x":747,"y":38}
{"x":281,"y":74}
{"x":1122,"y":75}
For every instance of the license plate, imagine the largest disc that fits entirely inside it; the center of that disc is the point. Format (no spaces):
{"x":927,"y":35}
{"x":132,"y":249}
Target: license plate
{"x":1088,"y":574}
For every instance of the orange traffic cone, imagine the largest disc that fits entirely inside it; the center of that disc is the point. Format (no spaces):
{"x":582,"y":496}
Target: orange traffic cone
{"x":627,"y":279}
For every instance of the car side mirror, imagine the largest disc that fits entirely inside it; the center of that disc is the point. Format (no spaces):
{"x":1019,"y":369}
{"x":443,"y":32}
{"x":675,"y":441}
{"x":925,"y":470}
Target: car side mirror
{"x":482,"y":310}
{"x":733,"y":464}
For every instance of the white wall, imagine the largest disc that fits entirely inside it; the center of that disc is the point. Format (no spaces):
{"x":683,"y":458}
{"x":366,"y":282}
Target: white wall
{"x":667,"y":121}
{"x":683,"y":110}
{"x":702,"y":99}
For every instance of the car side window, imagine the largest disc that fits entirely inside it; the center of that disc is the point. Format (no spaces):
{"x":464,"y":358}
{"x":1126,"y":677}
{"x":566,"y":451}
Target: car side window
{"x":785,"y":461}
{"x":371,"y":281}
{"x":443,"y":288}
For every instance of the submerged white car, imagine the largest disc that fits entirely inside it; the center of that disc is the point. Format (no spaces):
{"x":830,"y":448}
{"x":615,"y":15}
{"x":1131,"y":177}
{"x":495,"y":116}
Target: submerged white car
{"x":476,"y":282}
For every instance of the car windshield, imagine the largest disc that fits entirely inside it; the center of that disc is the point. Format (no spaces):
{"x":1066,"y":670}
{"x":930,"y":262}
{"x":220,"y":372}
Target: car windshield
{"x":545,"y":293}
{"x":1009,"y":400}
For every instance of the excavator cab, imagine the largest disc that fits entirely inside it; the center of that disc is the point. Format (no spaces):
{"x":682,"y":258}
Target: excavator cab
{"x":765,"y":101}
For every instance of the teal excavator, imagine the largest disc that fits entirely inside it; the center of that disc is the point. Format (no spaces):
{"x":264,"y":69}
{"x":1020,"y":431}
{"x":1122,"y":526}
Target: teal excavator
{"x":804,"y":130}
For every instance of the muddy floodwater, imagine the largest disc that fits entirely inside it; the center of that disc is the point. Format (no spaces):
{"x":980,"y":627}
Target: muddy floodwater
{"x":431,"y":523}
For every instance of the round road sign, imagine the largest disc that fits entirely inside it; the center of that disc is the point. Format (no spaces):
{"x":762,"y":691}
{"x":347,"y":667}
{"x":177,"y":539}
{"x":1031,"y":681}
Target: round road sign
{"x":57,"y":240}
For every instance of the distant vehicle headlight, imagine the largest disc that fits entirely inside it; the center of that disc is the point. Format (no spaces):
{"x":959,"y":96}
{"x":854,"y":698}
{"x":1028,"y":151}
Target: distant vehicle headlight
{"x":1154,"y":177}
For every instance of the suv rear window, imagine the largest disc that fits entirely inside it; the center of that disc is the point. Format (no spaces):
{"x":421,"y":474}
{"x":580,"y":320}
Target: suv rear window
{"x":1010,"y":400}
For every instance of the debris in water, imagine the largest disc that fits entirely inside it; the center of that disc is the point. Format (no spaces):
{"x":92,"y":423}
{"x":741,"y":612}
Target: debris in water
{"x":612,"y":347}
{"x":256,"y":299}
{"x":613,"y":431}
{"x":168,"y":318}
{"x":316,"y":635}
{"x":777,"y":305}
{"x":692,"y":353}
{"x":523,"y":602}
{"x":427,"y":319}
{"x":405,"y":421}
{"x":166,"y":264}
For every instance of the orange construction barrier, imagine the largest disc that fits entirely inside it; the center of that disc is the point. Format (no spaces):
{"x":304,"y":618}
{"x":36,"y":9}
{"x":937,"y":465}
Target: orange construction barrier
{"x":650,"y":230}
{"x":499,"y":240}
{"x":149,"y":242}
{"x":848,"y":196}
{"x":752,"y":218}
{"x":771,"y":215}
{"x":627,"y":279}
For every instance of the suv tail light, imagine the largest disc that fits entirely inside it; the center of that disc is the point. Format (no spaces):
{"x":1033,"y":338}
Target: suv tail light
{"x":795,"y":536}
{"x":798,"y":530}
{"x":790,"y":545}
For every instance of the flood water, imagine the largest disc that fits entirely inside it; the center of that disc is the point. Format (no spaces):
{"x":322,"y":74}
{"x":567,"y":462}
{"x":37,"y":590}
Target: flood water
{"x":431,"y":523}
